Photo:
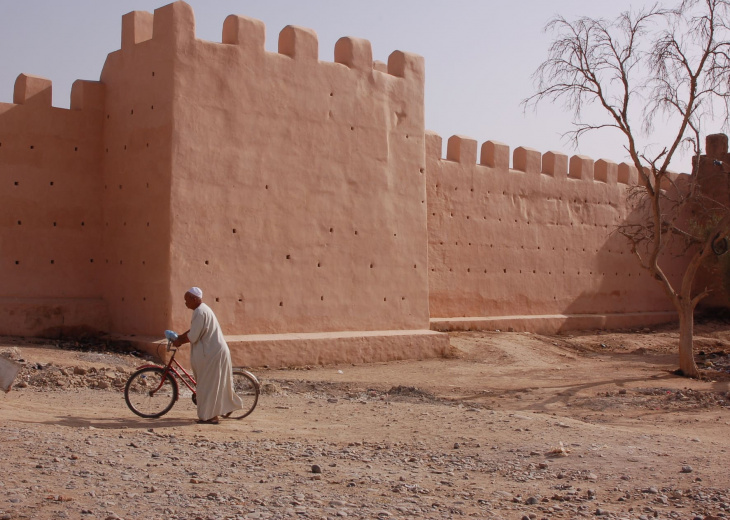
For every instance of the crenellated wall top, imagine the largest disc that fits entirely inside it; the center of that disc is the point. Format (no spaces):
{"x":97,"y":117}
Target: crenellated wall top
{"x":493,"y":154}
{"x":37,"y":92}
{"x":175,"y":24}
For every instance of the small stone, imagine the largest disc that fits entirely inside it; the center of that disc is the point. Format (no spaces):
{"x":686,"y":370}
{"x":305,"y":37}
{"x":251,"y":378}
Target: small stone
{"x":457,"y":445}
{"x":687,"y":469}
{"x":531,"y":501}
{"x":316,"y":468}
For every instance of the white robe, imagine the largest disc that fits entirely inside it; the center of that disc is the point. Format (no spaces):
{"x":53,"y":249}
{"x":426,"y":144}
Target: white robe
{"x":211,"y":362}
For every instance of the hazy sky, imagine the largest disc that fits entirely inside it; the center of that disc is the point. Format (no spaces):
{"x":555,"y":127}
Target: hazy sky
{"x":480,"y":54}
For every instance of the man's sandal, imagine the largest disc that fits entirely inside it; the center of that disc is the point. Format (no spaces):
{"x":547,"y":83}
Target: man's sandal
{"x":214,"y":420}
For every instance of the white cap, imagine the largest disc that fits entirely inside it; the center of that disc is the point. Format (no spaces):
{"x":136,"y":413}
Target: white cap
{"x":196,"y":291}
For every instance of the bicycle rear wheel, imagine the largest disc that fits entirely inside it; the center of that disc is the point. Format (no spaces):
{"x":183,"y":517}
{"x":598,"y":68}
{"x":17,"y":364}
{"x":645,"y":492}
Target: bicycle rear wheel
{"x":246,"y":387}
{"x":148,"y":395}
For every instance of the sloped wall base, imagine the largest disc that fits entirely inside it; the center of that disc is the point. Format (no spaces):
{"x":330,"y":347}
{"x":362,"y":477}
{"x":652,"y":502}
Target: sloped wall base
{"x":326,"y":348}
{"x":553,"y":323}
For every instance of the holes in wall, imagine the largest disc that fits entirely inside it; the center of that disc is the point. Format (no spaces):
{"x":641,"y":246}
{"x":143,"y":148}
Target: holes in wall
{"x":32,"y":147}
{"x":20,"y":222}
{"x":234,"y":231}
{"x":76,"y":148}
{"x":288,"y":257}
{"x":51,"y":183}
{"x":217,"y":300}
{"x":281,"y":304}
{"x":16,"y":183}
{"x":206,"y":262}
{"x":53,"y":261}
{"x":17,"y":262}
{"x":131,"y":112}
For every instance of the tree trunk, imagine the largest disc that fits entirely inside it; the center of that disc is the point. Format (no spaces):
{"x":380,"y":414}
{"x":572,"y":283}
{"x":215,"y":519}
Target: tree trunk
{"x":686,"y":334}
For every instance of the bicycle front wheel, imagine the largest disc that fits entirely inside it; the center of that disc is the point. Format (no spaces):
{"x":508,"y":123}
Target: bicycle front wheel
{"x":150,"y":392}
{"x":246,"y":387}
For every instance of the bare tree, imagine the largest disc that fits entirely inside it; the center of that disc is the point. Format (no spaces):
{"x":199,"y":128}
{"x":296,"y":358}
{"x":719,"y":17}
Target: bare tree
{"x":654,"y":66}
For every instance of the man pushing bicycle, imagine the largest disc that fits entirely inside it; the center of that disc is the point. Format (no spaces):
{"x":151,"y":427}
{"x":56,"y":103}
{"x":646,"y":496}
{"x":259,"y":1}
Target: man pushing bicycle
{"x":211,"y":361}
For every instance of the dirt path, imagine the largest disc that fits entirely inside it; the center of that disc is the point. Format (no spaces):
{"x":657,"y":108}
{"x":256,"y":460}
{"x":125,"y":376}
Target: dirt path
{"x":514,"y":425}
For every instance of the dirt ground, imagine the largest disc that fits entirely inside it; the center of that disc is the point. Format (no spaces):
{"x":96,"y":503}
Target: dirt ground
{"x":513,"y":425}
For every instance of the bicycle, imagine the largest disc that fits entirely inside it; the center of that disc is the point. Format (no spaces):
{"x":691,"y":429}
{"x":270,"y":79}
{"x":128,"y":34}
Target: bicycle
{"x":152,"y":390}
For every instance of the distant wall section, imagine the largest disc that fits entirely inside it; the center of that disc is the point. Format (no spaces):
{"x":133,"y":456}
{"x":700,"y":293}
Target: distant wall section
{"x":533,"y":239}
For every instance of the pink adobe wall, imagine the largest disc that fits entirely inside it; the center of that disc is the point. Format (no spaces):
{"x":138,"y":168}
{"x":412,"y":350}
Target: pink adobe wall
{"x":304,"y":196}
{"x":534,"y":239}
{"x":50,"y":216}
{"x":298,"y":194}
{"x":137,"y":170}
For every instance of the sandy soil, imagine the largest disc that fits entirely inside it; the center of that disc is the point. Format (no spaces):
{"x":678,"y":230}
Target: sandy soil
{"x":512,"y":426}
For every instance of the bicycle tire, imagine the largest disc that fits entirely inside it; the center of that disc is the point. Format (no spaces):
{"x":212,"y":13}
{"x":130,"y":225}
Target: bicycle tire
{"x":719,"y":245}
{"x":247,"y":387}
{"x":141,"y":401}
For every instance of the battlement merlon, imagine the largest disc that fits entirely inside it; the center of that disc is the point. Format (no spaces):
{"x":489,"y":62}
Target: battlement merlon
{"x":299,"y":43}
{"x":433,"y":144}
{"x":407,"y":65}
{"x":137,"y":27}
{"x":555,"y":164}
{"x":605,"y":171}
{"x":245,"y":32}
{"x":581,"y":167}
{"x":174,"y":23}
{"x":356,"y":53}
{"x":461,"y":149}
{"x":87,"y":95}
{"x":33,"y":90}
{"x":527,"y":160}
